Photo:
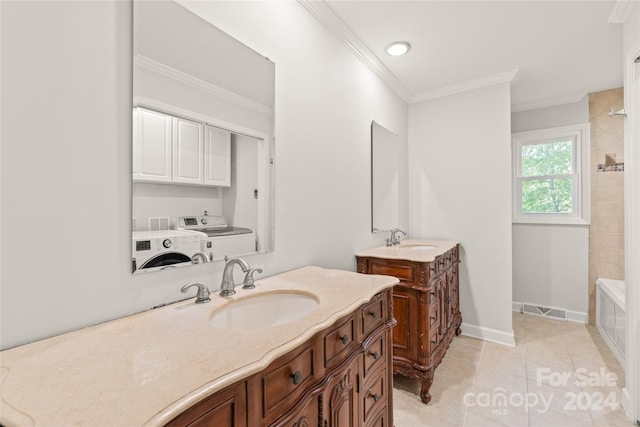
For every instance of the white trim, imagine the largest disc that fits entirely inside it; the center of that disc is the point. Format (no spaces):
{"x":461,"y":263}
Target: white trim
{"x":631,"y":392}
{"x":336,"y":26}
{"x":581,"y":134}
{"x":494,"y":79}
{"x":549,"y":102}
{"x":621,"y":11}
{"x":577,"y":316}
{"x":149,"y":64}
{"x":572,"y":316}
{"x":488,"y":334}
{"x":516,"y":306}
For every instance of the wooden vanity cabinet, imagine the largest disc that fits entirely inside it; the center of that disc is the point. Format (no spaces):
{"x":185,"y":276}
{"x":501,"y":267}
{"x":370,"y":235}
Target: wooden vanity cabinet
{"x":340,"y":377}
{"x":426,"y":306}
{"x":225,"y":408}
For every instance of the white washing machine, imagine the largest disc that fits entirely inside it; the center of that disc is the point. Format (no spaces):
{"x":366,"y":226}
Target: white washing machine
{"x":157,"y":250}
{"x":220,"y":239}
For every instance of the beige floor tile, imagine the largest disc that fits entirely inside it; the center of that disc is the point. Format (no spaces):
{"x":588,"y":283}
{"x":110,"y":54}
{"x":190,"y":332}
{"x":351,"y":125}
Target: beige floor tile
{"x":559,"y":400}
{"x":546,"y":374}
{"x":445,"y":414}
{"x":477,"y":420}
{"x":401,"y":401}
{"x":474,"y":368}
{"x":611,"y":419}
{"x":501,"y":404}
{"x":468,"y":341}
{"x":504,"y":379}
{"x":556,"y":419}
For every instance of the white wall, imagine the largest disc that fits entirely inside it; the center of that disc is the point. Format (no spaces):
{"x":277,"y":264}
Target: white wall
{"x":460,"y":172}
{"x":66,"y":158}
{"x":550,"y":117}
{"x":551,"y":267}
{"x":239,"y":205}
{"x":551,"y":262}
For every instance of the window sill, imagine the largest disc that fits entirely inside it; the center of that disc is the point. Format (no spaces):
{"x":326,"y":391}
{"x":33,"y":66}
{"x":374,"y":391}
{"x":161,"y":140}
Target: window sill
{"x":550,"y":221}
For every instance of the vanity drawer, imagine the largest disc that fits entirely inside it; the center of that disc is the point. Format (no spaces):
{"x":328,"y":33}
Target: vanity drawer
{"x":403,"y":270}
{"x":380,"y":419}
{"x":339,"y":342}
{"x":287,"y":377}
{"x":373,"y":314}
{"x":374,"y":354}
{"x":374,"y":395}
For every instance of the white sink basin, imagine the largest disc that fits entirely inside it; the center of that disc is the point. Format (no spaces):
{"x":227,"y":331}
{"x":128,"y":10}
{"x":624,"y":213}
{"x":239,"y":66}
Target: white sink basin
{"x":418,"y":246}
{"x":264,"y":311}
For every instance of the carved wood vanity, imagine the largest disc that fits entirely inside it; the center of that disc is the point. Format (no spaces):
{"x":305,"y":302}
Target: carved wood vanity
{"x":426,"y":304}
{"x":173,"y":366}
{"x":339,"y":377}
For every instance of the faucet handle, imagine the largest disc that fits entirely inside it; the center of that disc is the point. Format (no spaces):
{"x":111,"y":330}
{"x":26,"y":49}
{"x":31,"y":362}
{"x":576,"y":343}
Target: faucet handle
{"x":203,"y":292}
{"x":249,"y":281}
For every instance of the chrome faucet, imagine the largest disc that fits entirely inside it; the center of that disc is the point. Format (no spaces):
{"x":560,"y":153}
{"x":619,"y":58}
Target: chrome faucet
{"x":227,"y":287}
{"x":249,"y":281}
{"x":203,"y":292}
{"x":394,"y":239}
{"x":199,"y":255}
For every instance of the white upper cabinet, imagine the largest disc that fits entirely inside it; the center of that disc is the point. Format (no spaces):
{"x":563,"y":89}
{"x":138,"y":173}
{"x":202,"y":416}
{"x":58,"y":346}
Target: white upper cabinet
{"x":217,"y":156}
{"x":177,"y":150}
{"x":152,"y":146}
{"x":188,"y":155}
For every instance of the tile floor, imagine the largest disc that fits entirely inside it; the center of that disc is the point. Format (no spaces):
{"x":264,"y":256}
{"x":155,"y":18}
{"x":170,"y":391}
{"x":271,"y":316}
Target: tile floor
{"x":564,"y":370}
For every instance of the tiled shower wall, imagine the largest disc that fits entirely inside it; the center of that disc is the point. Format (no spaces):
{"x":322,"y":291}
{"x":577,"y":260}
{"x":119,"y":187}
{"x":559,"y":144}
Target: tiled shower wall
{"x":606,"y":234}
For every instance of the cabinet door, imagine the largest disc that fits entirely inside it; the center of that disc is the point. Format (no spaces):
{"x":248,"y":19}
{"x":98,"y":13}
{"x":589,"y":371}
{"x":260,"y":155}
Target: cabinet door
{"x":152,"y":146}
{"x":405,"y":311}
{"x":188,"y":163}
{"x":340,"y":399}
{"x":227,"y":408}
{"x":217,"y":157}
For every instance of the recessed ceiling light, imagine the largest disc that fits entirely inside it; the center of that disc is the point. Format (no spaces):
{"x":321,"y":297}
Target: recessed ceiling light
{"x":398,"y":48}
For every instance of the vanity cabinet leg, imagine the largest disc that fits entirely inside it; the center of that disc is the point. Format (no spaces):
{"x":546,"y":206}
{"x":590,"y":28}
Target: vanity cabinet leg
{"x":426,"y":379}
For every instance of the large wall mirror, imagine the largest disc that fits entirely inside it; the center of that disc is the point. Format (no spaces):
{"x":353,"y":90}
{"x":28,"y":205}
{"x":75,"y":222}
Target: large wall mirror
{"x":203,"y":123}
{"x":385,"y":179}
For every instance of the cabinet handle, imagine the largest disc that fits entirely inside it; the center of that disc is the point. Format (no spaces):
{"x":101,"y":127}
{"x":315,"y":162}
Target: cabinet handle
{"x":373,"y":314}
{"x":375,"y":355}
{"x":296,"y":377}
{"x":344,"y":339}
{"x":375,"y":396}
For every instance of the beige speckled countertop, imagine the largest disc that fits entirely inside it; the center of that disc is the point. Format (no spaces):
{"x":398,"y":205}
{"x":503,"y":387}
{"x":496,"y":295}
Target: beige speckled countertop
{"x":147,"y":368}
{"x":411,"y":250}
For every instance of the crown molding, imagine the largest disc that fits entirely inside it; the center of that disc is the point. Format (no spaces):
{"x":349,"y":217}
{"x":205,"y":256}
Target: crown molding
{"x":320,"y":10}
{"x":621,"y":11}
{"x":146,"y":63}
{"x":549,"y":102}
{"x":506,"y":77}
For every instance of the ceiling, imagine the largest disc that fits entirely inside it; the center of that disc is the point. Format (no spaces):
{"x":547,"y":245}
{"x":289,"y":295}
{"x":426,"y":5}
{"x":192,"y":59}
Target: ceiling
{"x":561,"y":50}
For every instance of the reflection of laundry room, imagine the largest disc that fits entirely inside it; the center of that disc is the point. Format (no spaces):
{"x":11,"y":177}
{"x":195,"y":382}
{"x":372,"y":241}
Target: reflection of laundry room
{"x":157,"y":205}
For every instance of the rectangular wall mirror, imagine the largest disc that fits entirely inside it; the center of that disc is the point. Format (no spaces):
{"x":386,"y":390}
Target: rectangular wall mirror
{"x":203,"y":146}
{"x":385,"y":179}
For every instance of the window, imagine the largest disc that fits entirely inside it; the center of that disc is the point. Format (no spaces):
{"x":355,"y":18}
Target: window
{"x":550,"y":176}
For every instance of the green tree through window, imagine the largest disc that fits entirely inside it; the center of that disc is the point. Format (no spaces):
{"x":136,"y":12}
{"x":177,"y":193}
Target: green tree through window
{"x":547,"y":185}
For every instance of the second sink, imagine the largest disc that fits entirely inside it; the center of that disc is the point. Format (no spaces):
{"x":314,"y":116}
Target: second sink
{"x":264,"y":310}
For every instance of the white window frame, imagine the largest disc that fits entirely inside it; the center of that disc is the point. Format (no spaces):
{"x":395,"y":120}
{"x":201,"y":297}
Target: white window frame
{"x":581,"y":214}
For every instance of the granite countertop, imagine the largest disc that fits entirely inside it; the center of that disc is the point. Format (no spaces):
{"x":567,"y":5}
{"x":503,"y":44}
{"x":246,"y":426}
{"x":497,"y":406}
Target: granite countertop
{"x":144,"y":369}
{"x":411,"y":250}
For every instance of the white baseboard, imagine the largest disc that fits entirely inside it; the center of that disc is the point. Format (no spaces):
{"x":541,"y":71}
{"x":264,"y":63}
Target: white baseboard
{"x":577,"y":316}
{"x":571,"y":316}
{"x":488,"y":334}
